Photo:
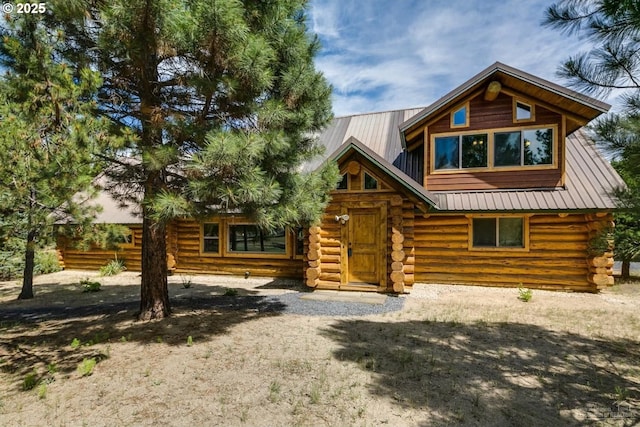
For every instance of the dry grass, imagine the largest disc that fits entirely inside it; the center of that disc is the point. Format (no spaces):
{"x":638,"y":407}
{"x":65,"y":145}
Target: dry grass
{"x":452,"y":356}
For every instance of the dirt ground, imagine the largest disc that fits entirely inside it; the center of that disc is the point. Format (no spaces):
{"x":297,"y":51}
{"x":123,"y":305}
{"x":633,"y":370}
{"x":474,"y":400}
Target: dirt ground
{"x":454,"y":355}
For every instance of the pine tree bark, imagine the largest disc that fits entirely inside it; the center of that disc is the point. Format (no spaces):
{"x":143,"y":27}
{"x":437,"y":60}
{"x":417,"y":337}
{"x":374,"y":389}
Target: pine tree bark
{"x":625,"y":272}
{"x":29,"y":263}
{"x":154,"y":293}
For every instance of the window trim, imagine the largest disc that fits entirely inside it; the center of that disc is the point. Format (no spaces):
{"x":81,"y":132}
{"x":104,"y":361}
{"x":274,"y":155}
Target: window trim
{"x":229,"y":253}
{"x":202,"y":238}
{"x":525,"y":233}
{"x":531,"y":105}
{"x":491,"y":150}
{"x":466,"y":116}
{"x":132,"y":243}
{"x":342,"y":176}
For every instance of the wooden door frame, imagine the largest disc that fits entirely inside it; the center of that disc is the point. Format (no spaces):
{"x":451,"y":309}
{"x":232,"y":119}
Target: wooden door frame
{"x":344,"y":239}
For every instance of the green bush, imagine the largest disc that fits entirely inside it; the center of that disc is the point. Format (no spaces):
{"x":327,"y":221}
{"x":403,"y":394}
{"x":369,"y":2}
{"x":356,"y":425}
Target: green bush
{"x":90,"y":286}
{"x":12,"y":260}
{"x":115,"y":266}
{"x":46,"y":261}
{"x":525,"y":294}
{"x":85,"y":368}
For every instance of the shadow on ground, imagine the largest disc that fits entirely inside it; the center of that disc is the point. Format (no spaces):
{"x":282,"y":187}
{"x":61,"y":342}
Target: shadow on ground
{"x":41,"y":334}
{"x":495,"y":374}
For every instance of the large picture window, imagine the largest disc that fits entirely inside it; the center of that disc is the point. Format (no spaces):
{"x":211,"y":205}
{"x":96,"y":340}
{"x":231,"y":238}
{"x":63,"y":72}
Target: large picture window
{"x":461,"y":151}
{"x":509,"y":148}
{"x":503,"y":232}
{"x":523,"y":148}
{"x":250,"y":238}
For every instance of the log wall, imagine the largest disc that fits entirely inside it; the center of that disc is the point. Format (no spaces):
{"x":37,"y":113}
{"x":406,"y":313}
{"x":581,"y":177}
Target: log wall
{"x":558,"y":257}
{"x":74,"y":258}
{"x":484,"y":116}
{"x":188,"y":258}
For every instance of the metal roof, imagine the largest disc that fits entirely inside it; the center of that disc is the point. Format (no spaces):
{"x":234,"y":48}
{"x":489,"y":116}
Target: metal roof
{"x":579,"y":104}
{"x":400,"y":177}
{"x":589,"y":178}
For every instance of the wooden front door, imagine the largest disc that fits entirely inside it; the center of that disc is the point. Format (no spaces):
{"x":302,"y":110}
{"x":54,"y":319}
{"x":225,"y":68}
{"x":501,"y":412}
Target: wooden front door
{"x":364,"y":246}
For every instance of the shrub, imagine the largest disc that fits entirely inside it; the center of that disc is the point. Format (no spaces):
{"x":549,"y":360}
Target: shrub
{"x":230,"y":292}
{"x":524,"y":294}
{"x":90,"y":286}
{"x":115,"y":266}
{"x":30,"y":381}
{"x":46,"y":261}
{"x":85,"y":368}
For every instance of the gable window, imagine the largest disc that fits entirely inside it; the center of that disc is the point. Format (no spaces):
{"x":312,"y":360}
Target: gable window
{"x":250,"y":238}
{"x":461,"y":151}
{"x":501,"y":232}
{"x":211,"y":237}
{"x":460,"y":117}
{"x":370,"y":183}
{"x":343,"y":184}
{"x":522,"y":112}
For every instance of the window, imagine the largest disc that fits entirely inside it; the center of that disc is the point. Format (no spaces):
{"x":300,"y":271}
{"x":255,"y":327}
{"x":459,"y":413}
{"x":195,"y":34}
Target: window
{"x":506,"y":232}
{"x":370,"y":183}
{"x":211,"y":237}
{"x":523,"y":148}
{"x":342,"y":185}
{"x":538,"y":145}
{"x":522,"y":112}
{"x":468,"y":151}
{"x":460,"y":117}
{"x":125,"y":237}
{"x":249,"y":238}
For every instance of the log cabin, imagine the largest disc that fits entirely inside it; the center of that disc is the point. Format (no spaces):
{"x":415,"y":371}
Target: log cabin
{"x":497,"y":184}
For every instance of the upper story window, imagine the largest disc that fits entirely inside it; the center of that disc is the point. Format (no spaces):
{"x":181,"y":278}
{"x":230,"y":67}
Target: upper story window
{"x":461,"y":151}
{"x":523,"y":148}
{"x":494,"y":150}
{"x":460,"y":117}
{"x":522,"y":111}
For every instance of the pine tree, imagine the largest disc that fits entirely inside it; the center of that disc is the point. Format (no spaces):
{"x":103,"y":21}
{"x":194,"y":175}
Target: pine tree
{"x":221,"y":99}
{"x":613,"y":26}
{"x":48,"y":134}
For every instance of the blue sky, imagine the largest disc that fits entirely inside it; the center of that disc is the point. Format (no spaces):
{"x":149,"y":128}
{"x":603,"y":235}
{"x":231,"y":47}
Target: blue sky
{"x":390,"y":54}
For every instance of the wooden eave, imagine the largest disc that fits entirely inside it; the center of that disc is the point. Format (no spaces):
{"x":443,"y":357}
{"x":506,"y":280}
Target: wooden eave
{"x":581,"y":108}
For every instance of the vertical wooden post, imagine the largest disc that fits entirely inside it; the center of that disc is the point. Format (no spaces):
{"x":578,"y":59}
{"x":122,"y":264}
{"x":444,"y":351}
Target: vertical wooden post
{"x":313,"y":257}
{"x":600,"y":263}
{"x":397,"y":245}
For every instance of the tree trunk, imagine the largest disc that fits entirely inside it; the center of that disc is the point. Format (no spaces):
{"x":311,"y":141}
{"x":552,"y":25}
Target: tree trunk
{"x":154,"y":293}
{"x":29,"y":256}
{"x":625,"y":272}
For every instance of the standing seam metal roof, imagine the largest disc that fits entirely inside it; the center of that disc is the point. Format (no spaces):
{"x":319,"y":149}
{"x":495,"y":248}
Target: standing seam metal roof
{"x":589,"y":180}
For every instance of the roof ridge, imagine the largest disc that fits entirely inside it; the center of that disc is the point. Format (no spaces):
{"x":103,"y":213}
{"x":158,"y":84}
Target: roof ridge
{"x":380,"y":112}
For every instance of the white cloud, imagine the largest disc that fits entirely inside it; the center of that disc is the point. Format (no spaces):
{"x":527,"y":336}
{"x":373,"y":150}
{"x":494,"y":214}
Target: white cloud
{"x":384,"y":55}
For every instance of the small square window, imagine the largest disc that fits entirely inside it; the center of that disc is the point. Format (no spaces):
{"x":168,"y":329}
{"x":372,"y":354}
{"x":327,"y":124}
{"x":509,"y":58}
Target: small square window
{"x":523,"y":112}
{"x":459,"y":117}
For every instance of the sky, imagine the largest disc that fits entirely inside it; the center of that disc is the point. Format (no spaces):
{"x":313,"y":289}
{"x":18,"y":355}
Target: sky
{"x":384,"y":55}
